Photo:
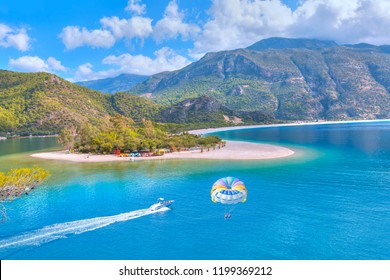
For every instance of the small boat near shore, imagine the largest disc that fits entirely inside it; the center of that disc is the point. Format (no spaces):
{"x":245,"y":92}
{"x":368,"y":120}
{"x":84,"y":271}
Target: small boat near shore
{"x":161,"y":202}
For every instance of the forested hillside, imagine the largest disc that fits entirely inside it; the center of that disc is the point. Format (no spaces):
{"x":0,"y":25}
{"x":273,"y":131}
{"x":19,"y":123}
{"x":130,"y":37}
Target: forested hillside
{"x":42,"y":103}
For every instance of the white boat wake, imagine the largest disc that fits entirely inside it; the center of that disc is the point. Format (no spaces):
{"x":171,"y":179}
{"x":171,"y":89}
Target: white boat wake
{"x":56,"y":231}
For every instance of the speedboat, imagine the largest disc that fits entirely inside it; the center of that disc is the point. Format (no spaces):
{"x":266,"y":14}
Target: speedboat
{"x":161,"y":202}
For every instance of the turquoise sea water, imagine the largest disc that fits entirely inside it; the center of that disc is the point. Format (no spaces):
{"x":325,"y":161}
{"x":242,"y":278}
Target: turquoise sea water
{"x":331,"y":200}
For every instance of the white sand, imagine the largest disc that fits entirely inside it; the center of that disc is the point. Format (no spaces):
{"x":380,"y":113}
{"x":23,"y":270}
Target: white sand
{"x":299,"y":123}
{"x":233,"y":150}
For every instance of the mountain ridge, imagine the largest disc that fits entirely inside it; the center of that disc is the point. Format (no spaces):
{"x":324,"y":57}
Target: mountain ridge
{"x":311,"y":81}
{"x":325,"y":81}
{"x":122,"y":82}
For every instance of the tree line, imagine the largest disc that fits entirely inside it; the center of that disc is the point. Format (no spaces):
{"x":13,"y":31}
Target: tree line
{"x":122,"y":133}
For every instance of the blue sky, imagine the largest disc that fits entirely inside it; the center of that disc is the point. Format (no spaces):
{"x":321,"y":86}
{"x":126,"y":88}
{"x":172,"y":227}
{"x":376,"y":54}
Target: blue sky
{"x":86,"y":39}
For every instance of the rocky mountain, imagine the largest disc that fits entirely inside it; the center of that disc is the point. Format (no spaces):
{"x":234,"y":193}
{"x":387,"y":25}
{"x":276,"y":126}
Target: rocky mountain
{"x":286,"y":43}
{"x":285,"y":79}
{"x":202,"y":110}
{"x":123,"y":82}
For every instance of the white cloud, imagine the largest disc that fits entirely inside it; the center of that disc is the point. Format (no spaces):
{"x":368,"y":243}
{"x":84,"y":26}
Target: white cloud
{"x":113,"y":29}
{"x":135,"y":7}
{"x":74,"y":37}
{"x":140,"y":27}
{"x":85,"y":72}
{"x":349,"y":21}
{"x":16,"y":38}
{"x":172,"y":25}
{"x":239,"y":23}
{"x":55,"y":64}
{"x":165,"y":60}
{"x":36,"y":64}
{"x":29,"y":64}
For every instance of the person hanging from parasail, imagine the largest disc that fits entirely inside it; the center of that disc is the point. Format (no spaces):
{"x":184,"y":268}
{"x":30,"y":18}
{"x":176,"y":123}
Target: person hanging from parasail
{"x":228,"y":191}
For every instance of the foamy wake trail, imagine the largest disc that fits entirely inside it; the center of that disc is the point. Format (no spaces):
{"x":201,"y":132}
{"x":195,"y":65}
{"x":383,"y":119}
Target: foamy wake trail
{"x":56,"y":231}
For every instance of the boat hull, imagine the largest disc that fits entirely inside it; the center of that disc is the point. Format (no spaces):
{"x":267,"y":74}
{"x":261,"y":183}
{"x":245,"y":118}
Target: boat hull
{"x":161,"y":204}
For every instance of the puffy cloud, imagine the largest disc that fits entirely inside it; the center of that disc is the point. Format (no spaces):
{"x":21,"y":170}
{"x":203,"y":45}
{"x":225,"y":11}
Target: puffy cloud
{"x":136,"y":7}
{"x":165,"y":60}
{"x":36,"y":64}
{"x":74,"y":37}
{"x":85,"y":72}
{"x":16,"y":38}
{"x":239,"y":23}
{"x":55,"y":64}
{"x":113,"y":29}
{"x":140,"y":27}
{"x":29,"y":64}
{"x":349,"y":21}
{"x":172,"y":25}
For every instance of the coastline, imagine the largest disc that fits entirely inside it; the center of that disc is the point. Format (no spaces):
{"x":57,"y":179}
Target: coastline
{"x":300,"y":123}
{"x":234,"y":150}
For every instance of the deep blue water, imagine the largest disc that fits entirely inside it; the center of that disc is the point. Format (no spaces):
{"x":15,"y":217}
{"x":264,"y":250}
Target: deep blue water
{"x":331,"y":200}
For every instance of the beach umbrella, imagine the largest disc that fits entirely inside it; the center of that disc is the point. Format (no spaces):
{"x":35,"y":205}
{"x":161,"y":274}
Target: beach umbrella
{"x":228,"y":190}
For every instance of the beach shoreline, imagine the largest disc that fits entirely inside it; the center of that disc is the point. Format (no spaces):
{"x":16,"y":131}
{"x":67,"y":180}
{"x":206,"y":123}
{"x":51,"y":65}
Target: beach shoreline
{"x":300,"y":123}
{"x":234,"y":150}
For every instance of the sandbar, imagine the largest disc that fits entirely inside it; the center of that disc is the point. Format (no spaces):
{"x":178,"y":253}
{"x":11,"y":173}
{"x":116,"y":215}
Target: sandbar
{"x":234,"y":150}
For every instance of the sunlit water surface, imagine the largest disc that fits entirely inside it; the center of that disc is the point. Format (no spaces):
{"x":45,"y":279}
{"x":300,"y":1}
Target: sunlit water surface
{"x":331,"y":200}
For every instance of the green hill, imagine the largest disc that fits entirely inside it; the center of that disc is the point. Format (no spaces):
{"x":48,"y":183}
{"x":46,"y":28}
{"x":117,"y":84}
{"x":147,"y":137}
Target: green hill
{"x":134,"y":106}
{"x":42,"y":103}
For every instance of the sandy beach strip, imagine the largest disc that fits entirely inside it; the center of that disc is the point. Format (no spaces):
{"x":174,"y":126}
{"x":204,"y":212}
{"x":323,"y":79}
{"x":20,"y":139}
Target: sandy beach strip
{"x":301,"y":123}
{"x":234,"y":150}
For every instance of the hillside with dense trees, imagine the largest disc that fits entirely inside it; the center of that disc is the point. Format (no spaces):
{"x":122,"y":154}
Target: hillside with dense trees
{"x":121,"y":134}
{"x":42,"y":103}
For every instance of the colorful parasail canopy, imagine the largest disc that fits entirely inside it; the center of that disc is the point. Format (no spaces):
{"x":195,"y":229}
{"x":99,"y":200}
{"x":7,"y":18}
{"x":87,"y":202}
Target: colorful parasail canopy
{"x":228,"y":190}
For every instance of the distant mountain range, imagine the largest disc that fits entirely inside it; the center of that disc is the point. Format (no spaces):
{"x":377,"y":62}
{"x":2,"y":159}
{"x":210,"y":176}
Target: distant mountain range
{"x":123,"y":82}
{"x":286,"y":79}
{"x":273,"y":80}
